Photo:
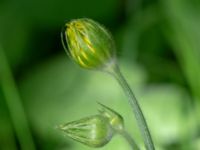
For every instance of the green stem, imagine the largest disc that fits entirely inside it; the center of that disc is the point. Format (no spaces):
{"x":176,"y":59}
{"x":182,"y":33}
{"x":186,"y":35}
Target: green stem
{"x":14,"y":105}
{"x":129,"y":139}
{"x":115,"y":71}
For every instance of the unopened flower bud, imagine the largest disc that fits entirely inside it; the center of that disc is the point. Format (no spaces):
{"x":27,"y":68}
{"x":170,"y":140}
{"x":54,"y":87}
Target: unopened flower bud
{"x":94,"y":131}
{"x":116,"y":120}
{"x":88,"y":43}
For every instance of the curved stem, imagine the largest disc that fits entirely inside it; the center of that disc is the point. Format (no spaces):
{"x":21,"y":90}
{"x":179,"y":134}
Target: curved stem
{"x":115,"y":71}
{"x":14,"y":105}
{"x":129,"y":139}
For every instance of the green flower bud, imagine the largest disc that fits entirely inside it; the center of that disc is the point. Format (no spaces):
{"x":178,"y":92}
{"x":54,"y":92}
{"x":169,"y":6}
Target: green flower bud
{"x":116,"y":120}
{"x":93,"y":131}
{"x":88,"y":43}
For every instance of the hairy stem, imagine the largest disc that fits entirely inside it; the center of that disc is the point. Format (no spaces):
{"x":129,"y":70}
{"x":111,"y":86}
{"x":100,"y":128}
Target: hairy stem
{"x":115,"y":71}
{"x":14,"y":105}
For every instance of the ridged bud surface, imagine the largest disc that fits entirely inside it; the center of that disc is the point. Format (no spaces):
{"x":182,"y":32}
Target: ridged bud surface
{"x":88,"y":43}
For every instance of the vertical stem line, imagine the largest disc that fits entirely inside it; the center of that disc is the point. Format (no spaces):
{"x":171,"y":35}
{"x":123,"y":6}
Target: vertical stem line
{"x":135,"y":107}
{"x":14,"y":104}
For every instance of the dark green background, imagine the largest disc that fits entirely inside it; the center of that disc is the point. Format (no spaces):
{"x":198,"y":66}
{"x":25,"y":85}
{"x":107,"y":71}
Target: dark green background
{"x":158,"y":43}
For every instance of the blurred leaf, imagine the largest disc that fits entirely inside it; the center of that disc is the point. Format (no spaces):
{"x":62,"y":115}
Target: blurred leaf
{"x":168,"y":112}
{"x":129,"y":35}
{"x":14,"y":34}
{"x":184,"y":35}
{"x":52,"y":12}
{"x":7,"y":137}
{"x":196,"y":144}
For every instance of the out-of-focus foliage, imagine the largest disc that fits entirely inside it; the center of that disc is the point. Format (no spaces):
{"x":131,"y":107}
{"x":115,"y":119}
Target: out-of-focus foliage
{"x":158,"y":43}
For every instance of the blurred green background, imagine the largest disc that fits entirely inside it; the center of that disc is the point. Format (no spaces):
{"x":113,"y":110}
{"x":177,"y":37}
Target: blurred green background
{"x":158,"y":44}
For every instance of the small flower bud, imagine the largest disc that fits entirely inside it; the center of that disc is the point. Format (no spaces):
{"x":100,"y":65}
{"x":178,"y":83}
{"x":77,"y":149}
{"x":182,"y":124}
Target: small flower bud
{"x":88,"y":43}
{"x":116,"y":120}
{"x":93,"y":131}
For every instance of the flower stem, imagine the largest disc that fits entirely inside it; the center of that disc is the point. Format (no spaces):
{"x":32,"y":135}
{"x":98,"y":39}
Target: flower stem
{"x":14,"y":105}
{"x":115,"y":71}
{"x":129,"y":139}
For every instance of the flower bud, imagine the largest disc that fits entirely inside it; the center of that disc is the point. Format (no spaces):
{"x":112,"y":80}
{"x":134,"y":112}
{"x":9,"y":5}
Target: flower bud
{"x":88,"y":43}
{"x":116,"y":120}
{"x":93,"y":131}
